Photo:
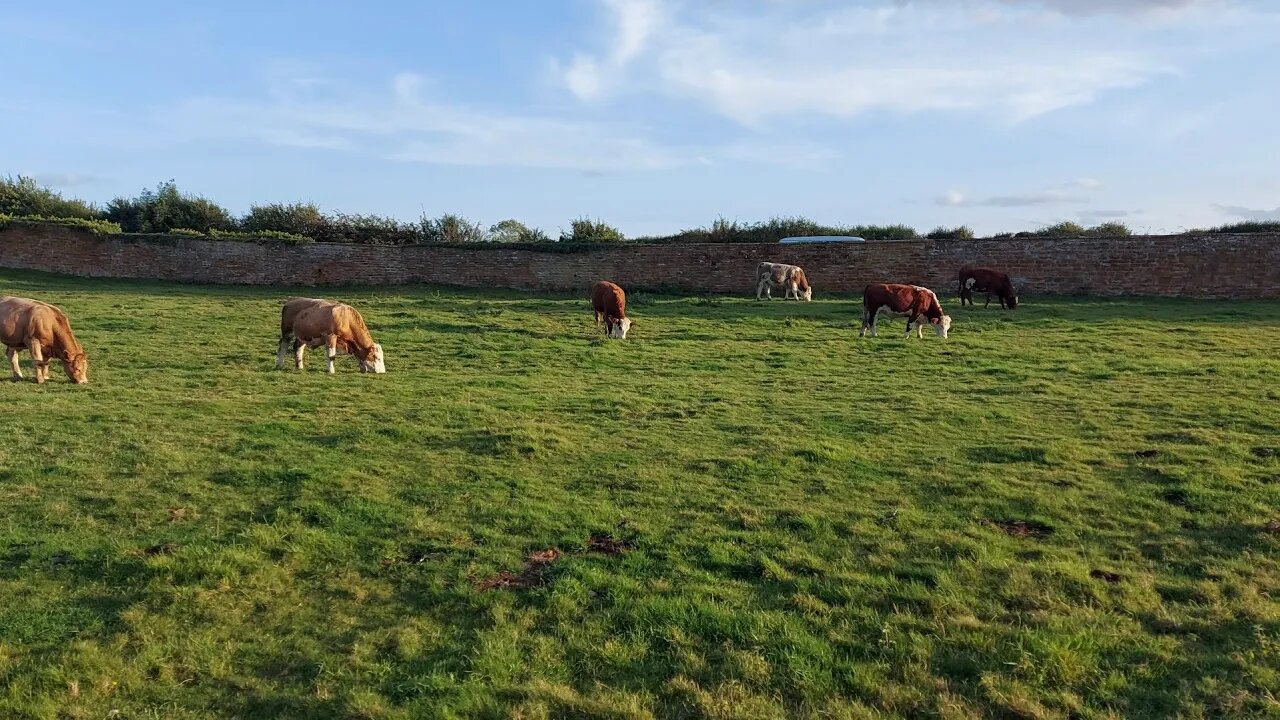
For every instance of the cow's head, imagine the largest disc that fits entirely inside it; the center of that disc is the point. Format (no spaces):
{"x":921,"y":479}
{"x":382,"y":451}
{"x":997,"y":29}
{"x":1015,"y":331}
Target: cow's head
{"x":375,"y":361}
{"x":619,"y":327}
{"x":77,"y":367}
{"x":942,"y":326}
{"x":1013,"y":302}
{"x":802,"y":282}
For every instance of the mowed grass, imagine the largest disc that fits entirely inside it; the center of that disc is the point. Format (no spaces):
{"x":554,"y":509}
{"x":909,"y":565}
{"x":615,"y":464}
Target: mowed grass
{"x":1063,"y":511}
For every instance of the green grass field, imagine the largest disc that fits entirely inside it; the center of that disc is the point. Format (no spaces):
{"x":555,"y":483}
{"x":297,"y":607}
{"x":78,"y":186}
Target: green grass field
{"x":1064,"y":512}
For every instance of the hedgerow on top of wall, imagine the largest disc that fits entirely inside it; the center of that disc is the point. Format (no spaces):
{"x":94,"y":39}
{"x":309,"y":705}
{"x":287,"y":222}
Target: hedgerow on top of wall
{"x":105,"y":227}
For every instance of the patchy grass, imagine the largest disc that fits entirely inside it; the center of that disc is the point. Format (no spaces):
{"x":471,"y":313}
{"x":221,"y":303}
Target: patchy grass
{"x":1065,"y":511}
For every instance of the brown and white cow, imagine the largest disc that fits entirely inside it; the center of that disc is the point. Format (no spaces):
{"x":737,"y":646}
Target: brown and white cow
{"x":777,"y":275}
{"x":308,"y":322}
{"x":986,"y":280}
{"x":44,"y":331}
{"x":610,"y":303}
{"x":918,"y":304}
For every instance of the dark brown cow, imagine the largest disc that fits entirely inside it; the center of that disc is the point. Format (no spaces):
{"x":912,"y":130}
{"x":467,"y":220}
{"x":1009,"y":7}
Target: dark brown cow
{"x":918,"y":304}
{"x":610,"y":303}
{"x":986,"y":280}
{"x":44,"y":331}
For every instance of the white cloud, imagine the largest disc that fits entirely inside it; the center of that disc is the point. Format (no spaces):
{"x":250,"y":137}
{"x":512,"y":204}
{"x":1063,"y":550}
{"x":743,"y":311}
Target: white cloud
{"x":791,"y":59}
{"x":64,"y":179}
{"x":407,"y":122}
{"x":633,"y":23}
{"x":1247,"y":213}
{"x":1048,"y":196}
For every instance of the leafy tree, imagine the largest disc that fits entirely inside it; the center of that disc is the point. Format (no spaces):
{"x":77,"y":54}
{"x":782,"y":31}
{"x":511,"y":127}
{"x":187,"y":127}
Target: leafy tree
{"x":586,"y":230}
{"x":514,"y":231}
{"x":21,"y":196}
{"x":295,"y":218}
{"x":451,"y":228}
{"x":165,"y":209}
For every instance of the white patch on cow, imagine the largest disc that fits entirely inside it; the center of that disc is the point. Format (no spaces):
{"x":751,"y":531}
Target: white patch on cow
{"x":969,"y":283}
{"x":808,"y":294}
{"x":943,"y":327}
{"x":620,"y":329}
{"x":14,"y":364}
{"x":379,"y":362}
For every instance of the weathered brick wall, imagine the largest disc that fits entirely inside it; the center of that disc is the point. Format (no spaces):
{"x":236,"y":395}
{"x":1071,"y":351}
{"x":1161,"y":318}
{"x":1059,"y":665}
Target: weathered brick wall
{"x":1188,"y":266}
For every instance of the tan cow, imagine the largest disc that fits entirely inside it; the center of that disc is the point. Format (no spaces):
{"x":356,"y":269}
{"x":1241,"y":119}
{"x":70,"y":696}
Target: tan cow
{"x":308,"y":322}
{"x":43,"y":330}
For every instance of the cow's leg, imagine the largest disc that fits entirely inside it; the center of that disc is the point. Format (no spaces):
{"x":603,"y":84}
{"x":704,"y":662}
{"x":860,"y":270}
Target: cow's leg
{"x":281,"y":351}
{"x":331,"y":348}
{"x":299,"y":349}
{"x":597,"y":314}
{"x":38,"y":359}
{"x":988,"y":303}
{"x":760,"y":289}
{"x":14,"y":365}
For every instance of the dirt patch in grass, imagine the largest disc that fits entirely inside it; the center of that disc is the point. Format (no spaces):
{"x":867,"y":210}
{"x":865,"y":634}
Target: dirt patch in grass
{"x":1177,"y":497}
{"x":534,"y":573}
{"x":536,"y":566}
{"x":1265,"y":453}
{"x":1022,"y":528}
{"x":1106,"y":575}
{"x":1148,"y":453}
{"x":1272,"y":527}
{"x":161,"y":549}
{"x":178,"y":514}
{"x":609,"y":545}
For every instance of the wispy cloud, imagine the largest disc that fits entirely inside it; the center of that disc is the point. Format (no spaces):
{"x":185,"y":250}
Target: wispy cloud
{"x":1066,"y":193}
{"x":408,"y":121}
{"x":64,"y":179}
{"x":798,"y":59}
{"x":1247,"y":213}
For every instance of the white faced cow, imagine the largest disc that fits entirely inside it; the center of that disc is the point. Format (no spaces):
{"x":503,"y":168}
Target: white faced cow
{"x":307,"y":322}
{"x":918,"y":304}
{"x":777,"y":275}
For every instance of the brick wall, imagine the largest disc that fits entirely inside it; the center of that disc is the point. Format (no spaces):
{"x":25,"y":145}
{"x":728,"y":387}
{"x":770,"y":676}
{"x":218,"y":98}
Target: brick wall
{"x":1203,"y":266}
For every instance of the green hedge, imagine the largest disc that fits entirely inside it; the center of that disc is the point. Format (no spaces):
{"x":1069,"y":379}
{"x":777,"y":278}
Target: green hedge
{"x":103,"y":227}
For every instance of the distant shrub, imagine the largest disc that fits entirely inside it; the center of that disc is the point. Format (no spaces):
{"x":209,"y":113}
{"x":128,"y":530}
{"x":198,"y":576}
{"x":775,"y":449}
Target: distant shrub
{"x":960,"y":232}
{"x":1110,"y":229}
{"x":368,"y":230}
{"x":103,"y":227}
{"x":293,"y":218}
{"x":451,"y":228}
{"x":1249,"y":226}
{"x":1062,"y":229}
{"x":514,"y":231}
{"x":22,"y":196}
{"x":165,"y":209}
{"x":777,"y":228}
{"x":586,"y":230}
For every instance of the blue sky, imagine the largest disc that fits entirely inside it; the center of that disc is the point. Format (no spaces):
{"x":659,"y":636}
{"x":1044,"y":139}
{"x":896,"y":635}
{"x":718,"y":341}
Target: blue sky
{"x":657,"y":115}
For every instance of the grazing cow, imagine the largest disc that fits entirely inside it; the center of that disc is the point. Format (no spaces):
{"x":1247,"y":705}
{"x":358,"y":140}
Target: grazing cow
{"x":916,"y":303}
{"x":307,"y":322}
{"x":43,"y":330}
{"x":986,"y":280}
{"x":789,"y":277}
{"x":610,"y":303}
